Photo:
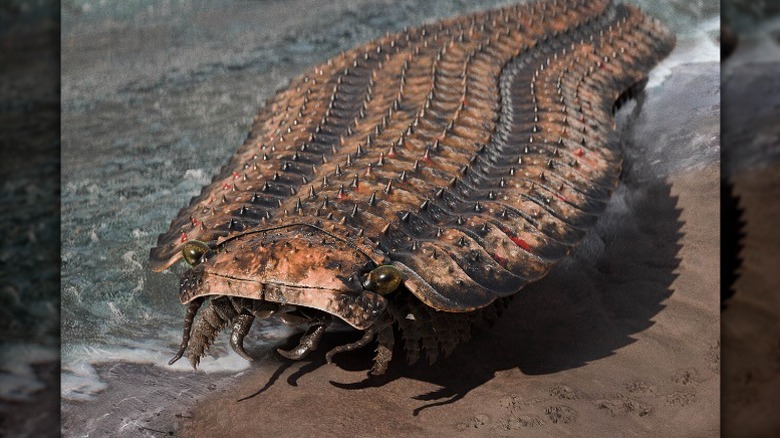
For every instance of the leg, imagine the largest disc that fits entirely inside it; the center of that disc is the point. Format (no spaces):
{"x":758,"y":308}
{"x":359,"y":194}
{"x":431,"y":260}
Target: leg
{"x":211,"y":322}
{"x":292,"y":316}
{"x":241,"y":325}
{"x":384,"y":351}
{"x":309,"y":341}
{"x":382,"y":330}
{"x":262,"y":309}
{"x":192,"y":310}
{"x":368,"y":336}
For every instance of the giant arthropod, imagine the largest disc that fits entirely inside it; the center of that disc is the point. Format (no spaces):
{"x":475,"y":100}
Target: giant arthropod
{"x":414,"y":184}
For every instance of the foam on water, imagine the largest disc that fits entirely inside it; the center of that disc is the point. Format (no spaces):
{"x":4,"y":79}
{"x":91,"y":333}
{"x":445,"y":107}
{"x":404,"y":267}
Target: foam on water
{"x":698,"y":47}
{"x":81,"y":382}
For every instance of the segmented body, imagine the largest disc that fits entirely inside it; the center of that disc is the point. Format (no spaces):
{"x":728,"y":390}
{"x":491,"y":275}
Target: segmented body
{"x":473,"y":153}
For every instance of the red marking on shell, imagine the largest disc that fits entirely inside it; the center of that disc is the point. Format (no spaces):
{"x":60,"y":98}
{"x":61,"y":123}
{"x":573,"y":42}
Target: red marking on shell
{"x":559,"y":196}
{"x":225,"y":186}
{"x":521,"y":243}
{"x":578,"y":152}
{"x":236,"y":175}
{"x":195,"y":222}
{"x":183,"y":237}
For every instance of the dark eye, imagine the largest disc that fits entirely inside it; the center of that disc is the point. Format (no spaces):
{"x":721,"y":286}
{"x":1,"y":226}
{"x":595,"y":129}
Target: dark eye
{"x":383,"y":280}
{"x":193,"y":252}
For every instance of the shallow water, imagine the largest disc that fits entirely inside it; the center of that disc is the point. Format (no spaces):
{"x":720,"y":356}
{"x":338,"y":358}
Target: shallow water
{"x":156,"y":96}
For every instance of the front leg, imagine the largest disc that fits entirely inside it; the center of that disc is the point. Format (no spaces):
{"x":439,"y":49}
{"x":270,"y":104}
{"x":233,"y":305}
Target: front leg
{"x":309,"y":341}
{"x":241,"y":325}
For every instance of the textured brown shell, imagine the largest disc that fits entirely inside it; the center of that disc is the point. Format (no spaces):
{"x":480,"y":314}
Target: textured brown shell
{"x":472,"y":153}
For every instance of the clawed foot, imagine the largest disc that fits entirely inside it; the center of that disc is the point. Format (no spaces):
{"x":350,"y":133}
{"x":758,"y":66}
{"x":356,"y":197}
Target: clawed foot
{"x":198,"y":336}
{"x":383,"y":332}
{"x":241,"y":325}
{"x":308,"y":343}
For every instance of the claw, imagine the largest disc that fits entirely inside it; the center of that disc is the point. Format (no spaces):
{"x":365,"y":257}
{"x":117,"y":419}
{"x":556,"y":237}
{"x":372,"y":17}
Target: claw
{"x":192,"y":310}
{"x":241,"y":325}
{"x":368,"y":336}
{"x":308,"y":343}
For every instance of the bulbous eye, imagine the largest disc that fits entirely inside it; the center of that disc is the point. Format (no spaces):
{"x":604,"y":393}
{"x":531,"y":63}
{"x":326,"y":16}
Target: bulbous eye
{"x":193,"y":252}
{"x":383,"y":280}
